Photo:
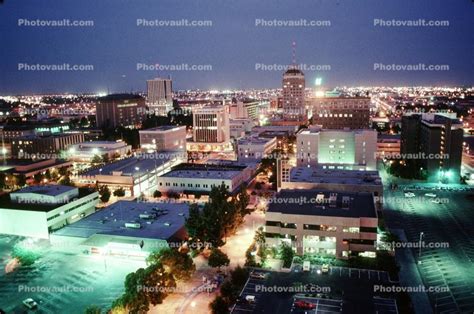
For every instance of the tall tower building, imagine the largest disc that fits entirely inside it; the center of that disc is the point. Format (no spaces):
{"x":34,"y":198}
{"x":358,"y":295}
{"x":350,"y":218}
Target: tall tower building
{"x":160,"y":95}
{"x":293,"y":86}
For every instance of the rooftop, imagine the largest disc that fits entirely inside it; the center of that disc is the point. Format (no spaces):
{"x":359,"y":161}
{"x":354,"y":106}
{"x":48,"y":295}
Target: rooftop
{"x":255,"y":140}
{"x":50,"y":190}
{"x":163,"y":128}
{"x":136,"y":165}
{"x":5,"y":202}
{"x":211,"y":171}
{"x":335,"y":176}
{"x":120,"y":97}
{"x":324,"y":203}
{"x":157,"y":220}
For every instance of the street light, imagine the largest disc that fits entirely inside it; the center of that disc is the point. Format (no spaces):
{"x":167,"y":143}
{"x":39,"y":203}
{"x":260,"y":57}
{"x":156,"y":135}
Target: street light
{"x":419,"y":249}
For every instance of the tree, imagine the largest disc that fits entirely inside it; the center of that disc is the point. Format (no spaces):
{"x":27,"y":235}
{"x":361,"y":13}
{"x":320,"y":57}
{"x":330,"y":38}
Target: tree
{"x":145,"y":286}
{"x":119,"y":192}
{"x":20,"y":180}
{"x":287,"y":254}
{"x":179,"y":264}
{"x":96,"y":159}
{"x":38,"y":178}
{"x":66,"y":180}
{"x":105,"y":158}
{"x":217,"y":258}
{"x":104,"y":192}
{"x":157,"y":194}
{"x":3,"y":177}
{"x":219,"y":306}
{"x":93,"y":309}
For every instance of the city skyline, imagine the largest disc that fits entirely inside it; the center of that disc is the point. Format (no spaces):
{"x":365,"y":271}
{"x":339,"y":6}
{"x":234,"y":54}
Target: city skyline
{"x":233,"y":51}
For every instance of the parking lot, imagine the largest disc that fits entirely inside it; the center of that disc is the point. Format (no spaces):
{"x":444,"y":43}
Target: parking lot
{"x":321,"y":306}
{"x":451,"y":222}
{"x":341,"y":290}
{"x":60,"y":281}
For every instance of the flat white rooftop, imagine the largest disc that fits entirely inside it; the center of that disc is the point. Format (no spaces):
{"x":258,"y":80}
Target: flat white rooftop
{"x":335,"y":176}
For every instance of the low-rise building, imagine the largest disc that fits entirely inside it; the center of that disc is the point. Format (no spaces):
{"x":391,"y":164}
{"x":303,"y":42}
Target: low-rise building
{"x":44,"y":146}
{"x":201,"y":178}
{"x":341,"y":224}
{"x":36,"y":211}
{"x":253,"y":149}
{"x":86,"y":151}
{"x":127,"y":229}
{"x":240,"y":127}
{"x":163,"y":138}
{"x":388,"y":146}
{"x":137,"y":174}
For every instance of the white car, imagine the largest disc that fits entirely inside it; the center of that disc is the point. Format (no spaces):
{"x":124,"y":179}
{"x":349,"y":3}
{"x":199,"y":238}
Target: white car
{"x":30,"y":303}
{"x":430,"y":195}
{"x":409,"y":194}
{"x":325,"y":268}
{"x":250,"y":298}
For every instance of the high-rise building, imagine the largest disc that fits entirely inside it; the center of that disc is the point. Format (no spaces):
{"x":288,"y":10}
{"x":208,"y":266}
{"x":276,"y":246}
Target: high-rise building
{"x":434,"y":142}
{"x":340,"y":112}
{"x":293,"y":95}
{"x":211,"y":129}
{"x":127,"y":110}
{"x":337,"y":149}
{"x":160,"y":95}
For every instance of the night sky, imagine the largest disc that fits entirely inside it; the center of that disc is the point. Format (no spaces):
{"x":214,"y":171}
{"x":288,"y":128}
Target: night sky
{"x":233,"y":45}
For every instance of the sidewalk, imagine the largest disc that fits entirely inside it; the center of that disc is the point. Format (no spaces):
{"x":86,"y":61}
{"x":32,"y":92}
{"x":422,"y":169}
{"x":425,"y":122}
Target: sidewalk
{"x":409,"y":275}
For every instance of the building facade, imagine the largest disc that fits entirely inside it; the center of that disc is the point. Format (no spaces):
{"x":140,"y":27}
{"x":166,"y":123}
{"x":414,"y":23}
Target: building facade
{"x":211,"y":129}
{"x":86,"y":151}
{"x":170,"y":137}
{"x":333,"y":223}
{"x":340,"y":112}
{"x":38,"y":210}
{"x":127,"y":110}
{"x":345,"y":149}
{"x":44,"y":147}
{"x":253,"y":149}
{"x":293,"y":93}
{"x":435,"y":142}
{"x":160,"y":95}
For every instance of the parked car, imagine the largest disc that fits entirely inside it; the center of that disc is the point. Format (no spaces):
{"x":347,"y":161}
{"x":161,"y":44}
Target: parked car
{"x":258,"y":275}
{"x":430,"y":195}
{"x":304,"y":305}
{"x":325,"y":268}
{"x":250,"y":298}
{"x":30,"y":303}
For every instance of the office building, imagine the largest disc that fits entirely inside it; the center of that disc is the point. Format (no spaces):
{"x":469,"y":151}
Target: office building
{"x":343,"y":149}
{"x":388,"y":145}
{"x":126,"y":229}
{"x":340,"y":112}
{"x":341,"y":224}
{"x":162,"y":138}
{"x":293,"y":93}
{"x":127,"y":110}
{"x":201,"y":178}
{"x":137,"y":175}
{"x":325,"y":178}
{"x":44,"y":146}
{"x":211,"y":129}
{"x":86,"y":151}
{"x":434,"y":143}
{"x":239,"y":127}
{"x":36,"y":211}
{"x":160,"y":96}
{"x":253,"y":149}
